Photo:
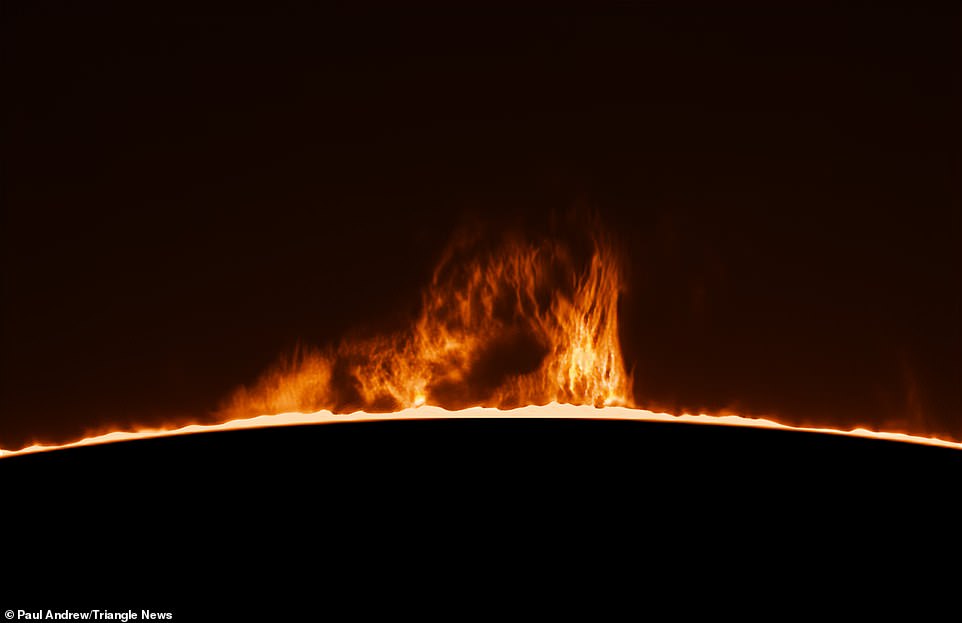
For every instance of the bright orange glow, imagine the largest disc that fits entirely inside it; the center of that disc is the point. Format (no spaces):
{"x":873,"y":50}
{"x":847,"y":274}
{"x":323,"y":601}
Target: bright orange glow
{"x":550,"y":411}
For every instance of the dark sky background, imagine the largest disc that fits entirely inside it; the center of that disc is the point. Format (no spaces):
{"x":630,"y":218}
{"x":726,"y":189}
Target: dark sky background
{"x":188,"y":192}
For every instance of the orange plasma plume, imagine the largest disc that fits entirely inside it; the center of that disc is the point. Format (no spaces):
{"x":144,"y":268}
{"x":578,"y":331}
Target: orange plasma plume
{"x":518,"y":324}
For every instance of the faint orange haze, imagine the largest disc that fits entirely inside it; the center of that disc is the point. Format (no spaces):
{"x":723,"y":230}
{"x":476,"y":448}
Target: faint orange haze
{"x":516,"y":323}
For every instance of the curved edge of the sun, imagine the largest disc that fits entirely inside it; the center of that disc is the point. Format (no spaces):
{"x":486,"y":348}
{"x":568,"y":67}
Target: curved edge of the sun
{"x":427,"y":412}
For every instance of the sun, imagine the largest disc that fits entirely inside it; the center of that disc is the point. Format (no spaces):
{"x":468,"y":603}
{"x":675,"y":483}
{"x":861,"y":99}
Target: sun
{"x":521,"y":328}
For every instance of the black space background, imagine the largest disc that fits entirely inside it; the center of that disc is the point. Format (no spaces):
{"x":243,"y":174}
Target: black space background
{"x":190,"y":191}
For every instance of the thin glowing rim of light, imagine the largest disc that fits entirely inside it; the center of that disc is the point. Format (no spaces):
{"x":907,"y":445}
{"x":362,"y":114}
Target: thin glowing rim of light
{"x":426,"y":412}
